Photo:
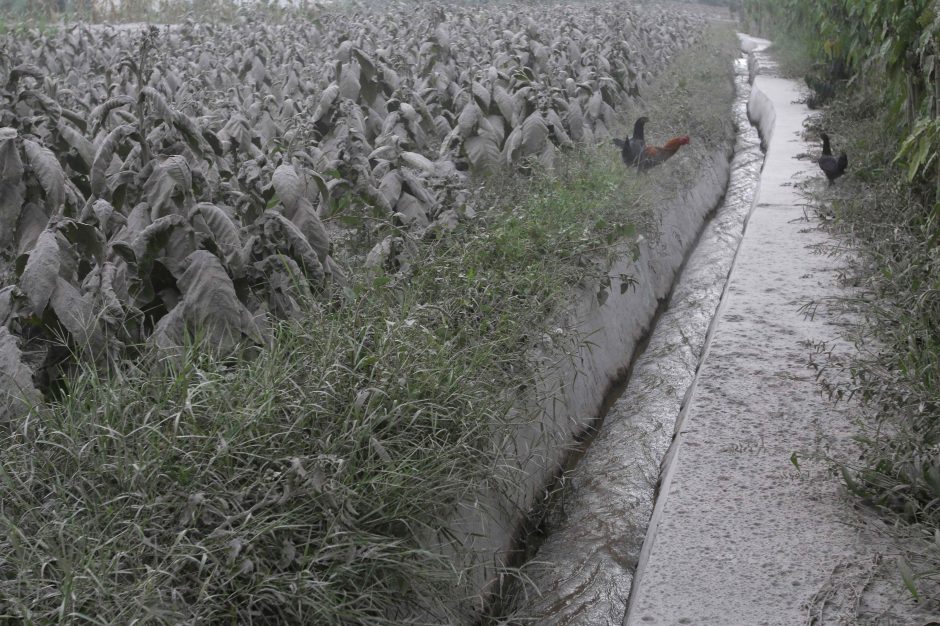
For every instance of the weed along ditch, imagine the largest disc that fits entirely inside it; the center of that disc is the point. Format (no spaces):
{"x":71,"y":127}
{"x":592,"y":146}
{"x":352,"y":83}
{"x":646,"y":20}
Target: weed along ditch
{"x":355,"y":314}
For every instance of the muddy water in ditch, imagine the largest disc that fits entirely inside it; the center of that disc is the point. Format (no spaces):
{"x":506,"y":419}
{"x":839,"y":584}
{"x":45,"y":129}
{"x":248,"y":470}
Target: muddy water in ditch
{"x":583,"y":570}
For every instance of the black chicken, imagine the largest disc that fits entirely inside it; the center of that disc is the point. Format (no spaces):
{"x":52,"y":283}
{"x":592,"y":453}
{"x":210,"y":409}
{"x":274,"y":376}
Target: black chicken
{"x":631,"y":148}
{"x":832,"y":167}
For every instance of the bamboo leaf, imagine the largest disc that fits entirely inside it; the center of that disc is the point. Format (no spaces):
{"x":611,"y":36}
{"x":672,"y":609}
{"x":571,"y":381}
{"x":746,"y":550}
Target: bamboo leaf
{"x":908,"y":577}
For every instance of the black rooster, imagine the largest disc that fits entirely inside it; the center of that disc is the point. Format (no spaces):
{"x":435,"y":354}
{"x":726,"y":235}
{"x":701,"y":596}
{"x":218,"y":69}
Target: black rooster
{"x":631,"y":148}
{"x":832,"y":167}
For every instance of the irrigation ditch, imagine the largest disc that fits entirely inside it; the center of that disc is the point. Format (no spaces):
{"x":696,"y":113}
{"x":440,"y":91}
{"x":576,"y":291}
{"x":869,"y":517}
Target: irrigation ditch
{"x":604,"y":438}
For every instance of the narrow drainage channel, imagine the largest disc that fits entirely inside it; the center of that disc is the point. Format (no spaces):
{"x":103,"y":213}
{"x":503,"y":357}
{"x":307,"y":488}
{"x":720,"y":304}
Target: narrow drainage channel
{"x":594,"y":530}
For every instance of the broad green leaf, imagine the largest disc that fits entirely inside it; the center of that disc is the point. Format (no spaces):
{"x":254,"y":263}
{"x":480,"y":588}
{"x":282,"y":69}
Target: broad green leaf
{"x":390,"y":187}
{"x":85,"y":237}
{"x":160,"y":106}
{"x":594,"y":105}
{"x":168,"y":177}
{"x":220,"y":226}
{"x":349,"y":85}
{"x":85,"y":149}
{"x":308,"y":222}
{"x":287,"y":289}
{"x":413,"y":211}
{"x":327,"y":98}
{"x":504,"y":103}
{"x":282,"y":235}
{"x":25,"y":69}
{"x":512,"y":145}
{"x":481,"y":94}
{"x":169,"y":236}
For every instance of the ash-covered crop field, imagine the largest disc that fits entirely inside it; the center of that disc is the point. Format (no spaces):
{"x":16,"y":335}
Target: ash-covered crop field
{"x":181,"y":179}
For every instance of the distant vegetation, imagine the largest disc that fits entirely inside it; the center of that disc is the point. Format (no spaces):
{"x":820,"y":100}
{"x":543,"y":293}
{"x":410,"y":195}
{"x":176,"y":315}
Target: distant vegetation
{"x":875,"y":65}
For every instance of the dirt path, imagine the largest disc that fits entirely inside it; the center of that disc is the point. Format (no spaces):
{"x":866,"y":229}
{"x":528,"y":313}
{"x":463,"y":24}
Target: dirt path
{"x":740,"y":534}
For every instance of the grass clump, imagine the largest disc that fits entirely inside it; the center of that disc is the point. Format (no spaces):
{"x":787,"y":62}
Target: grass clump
{"x":313,"y":482}
{"x":292,"y":488}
